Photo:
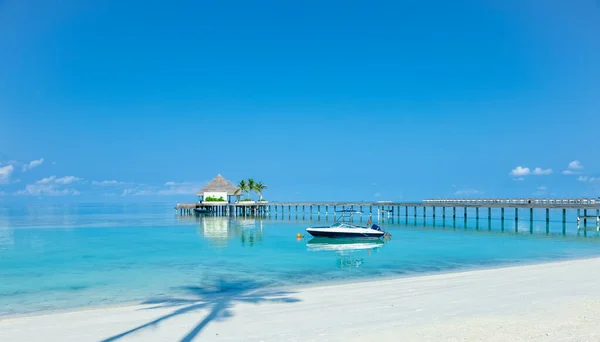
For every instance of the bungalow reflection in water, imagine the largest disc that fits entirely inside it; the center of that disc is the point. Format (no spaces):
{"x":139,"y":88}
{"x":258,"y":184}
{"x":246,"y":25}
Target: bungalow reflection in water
{"x":219,"y":230}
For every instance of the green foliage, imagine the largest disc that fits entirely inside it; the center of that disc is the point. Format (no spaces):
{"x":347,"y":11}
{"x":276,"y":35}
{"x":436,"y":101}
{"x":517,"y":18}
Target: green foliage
{"x":249,"y":186}
{"x":245,"y":200}
{"x":214,"y":199}
{"x":242,"y":188}
{"x":259,"y":187}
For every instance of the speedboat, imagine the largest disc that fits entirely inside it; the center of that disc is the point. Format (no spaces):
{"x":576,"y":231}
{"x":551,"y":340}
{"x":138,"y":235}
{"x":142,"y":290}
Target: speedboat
{"x":202,"y":210}
{"x":346,"y":230}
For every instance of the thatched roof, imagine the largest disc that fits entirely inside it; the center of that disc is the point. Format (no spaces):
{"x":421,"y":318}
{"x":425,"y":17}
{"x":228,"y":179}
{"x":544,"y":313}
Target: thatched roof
{"x":218,"y":184}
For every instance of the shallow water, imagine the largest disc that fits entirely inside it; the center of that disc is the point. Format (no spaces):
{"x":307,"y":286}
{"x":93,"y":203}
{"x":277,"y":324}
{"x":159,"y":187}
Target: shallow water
{"x":62,"y":257}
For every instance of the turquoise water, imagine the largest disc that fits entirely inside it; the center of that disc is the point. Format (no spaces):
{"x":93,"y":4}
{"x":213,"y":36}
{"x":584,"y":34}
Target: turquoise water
{"x":64,"y":257}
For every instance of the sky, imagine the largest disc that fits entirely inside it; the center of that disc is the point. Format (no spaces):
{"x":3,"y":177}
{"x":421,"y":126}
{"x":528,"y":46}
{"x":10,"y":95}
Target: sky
{"x":321,"y":100}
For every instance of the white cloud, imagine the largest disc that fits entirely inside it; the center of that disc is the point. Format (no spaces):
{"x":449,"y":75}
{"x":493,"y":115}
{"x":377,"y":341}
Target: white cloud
{"x":468,"y":192}
{"x":63,"y":180}
{"x":541,"y":172}
{"x":141,"y":190}
{"x":128,"y":192}
{"x":184,"y":188}
{"x":5,"y":173}
{"x":575,"y":165}
{"x":46,"y":180}
{"x":167,"y":189}
{"x":67,"y":180}
{"x":588,"y":179}
{"x":32,"y":164}
{"x":518,"y":179}
{"x":46,"y":189}
{"x":520,"y":171}
{"x":107,"y":183}
{"x":542,"y":188}
{"x":377,"y":194}
{"x":137,"y":192}
{"x":51,"y":186}
{"x":10,"y":162}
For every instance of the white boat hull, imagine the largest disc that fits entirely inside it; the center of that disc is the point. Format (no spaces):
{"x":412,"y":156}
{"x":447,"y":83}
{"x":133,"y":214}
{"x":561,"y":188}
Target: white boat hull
{"x":338,"y":232}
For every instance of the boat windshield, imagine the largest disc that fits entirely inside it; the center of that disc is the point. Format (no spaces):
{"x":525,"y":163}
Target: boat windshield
{"x":344,"y":225}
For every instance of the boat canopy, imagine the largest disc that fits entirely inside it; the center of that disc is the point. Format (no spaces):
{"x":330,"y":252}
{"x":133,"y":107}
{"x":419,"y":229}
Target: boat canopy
{"x":347,"y":215}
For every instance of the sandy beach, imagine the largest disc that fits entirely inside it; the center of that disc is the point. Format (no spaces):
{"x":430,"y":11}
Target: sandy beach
{"x":557,"y":301}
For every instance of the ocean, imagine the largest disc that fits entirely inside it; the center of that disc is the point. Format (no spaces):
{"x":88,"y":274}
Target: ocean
{"x":64,"y":257}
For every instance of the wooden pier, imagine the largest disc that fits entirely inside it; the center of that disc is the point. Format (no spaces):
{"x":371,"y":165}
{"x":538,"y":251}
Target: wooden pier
{"x":428,"y":208}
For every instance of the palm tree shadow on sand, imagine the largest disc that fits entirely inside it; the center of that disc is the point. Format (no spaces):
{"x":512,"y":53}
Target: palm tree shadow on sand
{"x":219,"y":298}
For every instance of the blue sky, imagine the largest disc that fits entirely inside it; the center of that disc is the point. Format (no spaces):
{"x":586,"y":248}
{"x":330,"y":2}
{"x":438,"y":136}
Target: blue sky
{"x":321,"y":100}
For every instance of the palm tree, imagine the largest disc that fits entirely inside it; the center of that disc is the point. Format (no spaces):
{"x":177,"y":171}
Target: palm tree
{"x":260,"y":186}
{"x":251,"y":185}
{"x":242,"y":188}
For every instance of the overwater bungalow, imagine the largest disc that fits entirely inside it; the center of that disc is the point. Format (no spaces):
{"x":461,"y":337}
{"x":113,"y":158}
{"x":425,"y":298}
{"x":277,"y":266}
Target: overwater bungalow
{"x":218,"y":191}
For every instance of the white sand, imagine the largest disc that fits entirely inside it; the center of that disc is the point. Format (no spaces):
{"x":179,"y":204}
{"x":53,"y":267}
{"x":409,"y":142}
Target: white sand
{"x":549,"y":302}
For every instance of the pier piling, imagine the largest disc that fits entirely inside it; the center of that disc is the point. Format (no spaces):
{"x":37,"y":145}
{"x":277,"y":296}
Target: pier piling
{"x":530,"y":214}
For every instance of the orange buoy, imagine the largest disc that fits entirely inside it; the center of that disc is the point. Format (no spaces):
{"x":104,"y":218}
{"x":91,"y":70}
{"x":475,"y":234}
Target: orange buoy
{"x":299,"y":236}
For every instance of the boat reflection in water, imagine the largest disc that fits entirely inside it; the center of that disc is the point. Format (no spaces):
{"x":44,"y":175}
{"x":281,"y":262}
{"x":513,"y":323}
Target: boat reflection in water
{"x":350,"y":250}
